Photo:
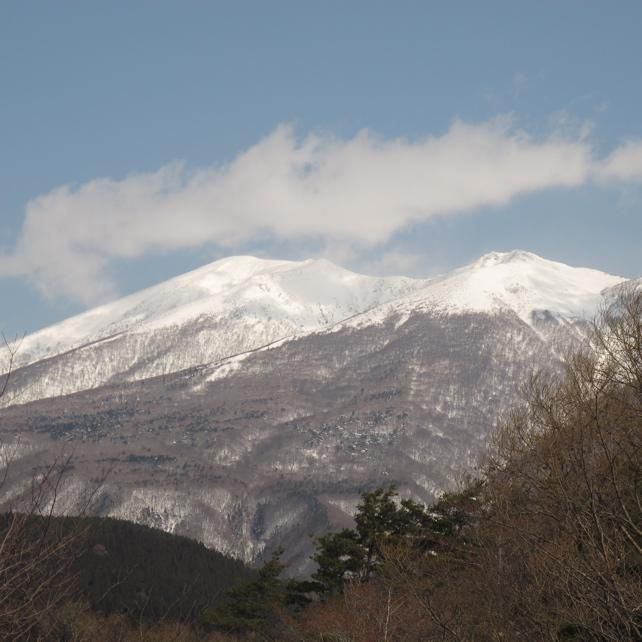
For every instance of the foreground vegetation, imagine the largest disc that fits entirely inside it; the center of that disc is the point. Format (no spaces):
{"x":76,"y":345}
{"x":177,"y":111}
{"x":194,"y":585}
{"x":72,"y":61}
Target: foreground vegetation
{"x":546,"y":544}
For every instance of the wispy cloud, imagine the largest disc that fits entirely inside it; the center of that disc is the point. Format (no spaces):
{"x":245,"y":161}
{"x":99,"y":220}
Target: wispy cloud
{"x":352,"y":193}
{"x":623,"y":164}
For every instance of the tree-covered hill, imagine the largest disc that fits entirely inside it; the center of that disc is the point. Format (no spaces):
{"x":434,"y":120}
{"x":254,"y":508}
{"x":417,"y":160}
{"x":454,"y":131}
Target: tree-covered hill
{"x":120,"y":567}
{"x":132,"y":568}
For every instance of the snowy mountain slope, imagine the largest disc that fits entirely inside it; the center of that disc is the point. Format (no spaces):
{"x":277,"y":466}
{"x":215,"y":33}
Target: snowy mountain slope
{"x":225,"y":308}
{"x":237,"y":305}
{"x":271,"y":451}
{"x":296,"y":295}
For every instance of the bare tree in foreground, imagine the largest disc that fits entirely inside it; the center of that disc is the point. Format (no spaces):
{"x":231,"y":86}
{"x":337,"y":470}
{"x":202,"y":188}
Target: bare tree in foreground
{"x":36,"y":555}
{"x":36,"y":550}
{"x":11,"y":350}
{"x":565,"y":490}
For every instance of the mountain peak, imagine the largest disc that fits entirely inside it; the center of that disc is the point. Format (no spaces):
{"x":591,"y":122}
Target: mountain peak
{"x":514,"y":256}
{"x":523,"y":282}
{"x":255,"y":299}
{"x":234,"y":268}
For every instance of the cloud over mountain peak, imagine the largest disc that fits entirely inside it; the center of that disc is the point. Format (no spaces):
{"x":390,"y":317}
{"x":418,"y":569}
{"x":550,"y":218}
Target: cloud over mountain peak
{"x":358,"y":192}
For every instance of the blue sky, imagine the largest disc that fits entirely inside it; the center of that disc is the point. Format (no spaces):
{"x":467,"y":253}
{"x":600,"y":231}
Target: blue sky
{"x":139,"y":140}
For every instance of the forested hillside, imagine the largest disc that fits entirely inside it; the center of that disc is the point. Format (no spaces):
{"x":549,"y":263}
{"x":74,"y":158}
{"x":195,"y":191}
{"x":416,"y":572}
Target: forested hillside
{"x":109,"y":567}
{"x":127,"y":568}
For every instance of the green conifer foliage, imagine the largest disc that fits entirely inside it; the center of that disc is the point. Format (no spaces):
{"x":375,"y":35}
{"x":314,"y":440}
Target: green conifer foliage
{"x":252,"y":608}
{"x":382,"y":521}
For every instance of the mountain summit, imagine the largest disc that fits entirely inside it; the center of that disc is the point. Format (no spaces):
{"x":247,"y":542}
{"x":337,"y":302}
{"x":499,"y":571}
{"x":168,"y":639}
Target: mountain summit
{"x":522,"y":282}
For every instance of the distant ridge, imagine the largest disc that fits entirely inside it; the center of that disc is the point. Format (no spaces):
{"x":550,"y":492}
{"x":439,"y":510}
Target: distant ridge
{"x":238,"y":304}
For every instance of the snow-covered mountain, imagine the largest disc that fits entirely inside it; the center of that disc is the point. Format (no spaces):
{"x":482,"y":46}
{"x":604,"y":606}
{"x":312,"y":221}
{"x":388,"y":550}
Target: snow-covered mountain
{"x":231,"y":306}
{"x":240,"y":304}
{"x":268,"y":298}
{"x":287,"y":389}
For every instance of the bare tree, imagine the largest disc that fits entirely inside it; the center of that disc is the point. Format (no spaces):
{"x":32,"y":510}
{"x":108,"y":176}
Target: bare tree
{"x":37,"y":551}
{"x":565,"y":488}
{"x":11,"y":349}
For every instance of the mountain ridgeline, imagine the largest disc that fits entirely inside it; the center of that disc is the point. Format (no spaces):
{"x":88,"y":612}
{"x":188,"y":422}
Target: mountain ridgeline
{"x":250,"y":402}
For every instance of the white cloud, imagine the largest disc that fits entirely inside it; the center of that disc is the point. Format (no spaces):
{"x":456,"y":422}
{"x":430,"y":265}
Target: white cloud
{"x":351,"y":193}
